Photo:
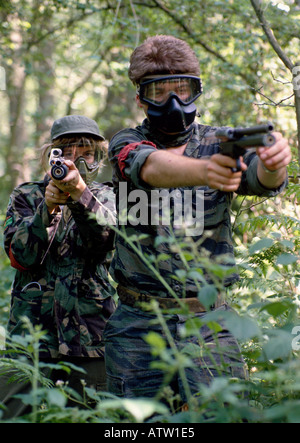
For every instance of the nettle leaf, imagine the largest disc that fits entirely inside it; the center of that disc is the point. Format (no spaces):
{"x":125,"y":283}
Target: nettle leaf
{"x":286,"y":259}
{"x":279,"y":345}
{"x":56,"y":398}
{"x":261,"y":244}
{"x":207,"y":295}
{"x":243,"y":328}
{"x":140,"y":409}
{"x":192,"y":350}
{"x":277,"y":308}
{"x":214,"y":326}
{"x":156,"y":342}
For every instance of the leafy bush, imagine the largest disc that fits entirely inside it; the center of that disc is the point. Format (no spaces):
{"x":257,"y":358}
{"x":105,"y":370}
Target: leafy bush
{"x":265,"y":321}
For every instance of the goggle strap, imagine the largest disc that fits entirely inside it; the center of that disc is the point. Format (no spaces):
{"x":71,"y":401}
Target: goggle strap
{"x":166,"y":76}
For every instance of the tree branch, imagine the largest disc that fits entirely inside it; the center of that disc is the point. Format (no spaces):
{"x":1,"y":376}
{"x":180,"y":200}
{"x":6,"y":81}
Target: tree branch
{"x":283,"y":57}
{"x":273,"y":103}
{"x":182,"y":23}
{"x":270,"y":36}
{"x":85,"y":79}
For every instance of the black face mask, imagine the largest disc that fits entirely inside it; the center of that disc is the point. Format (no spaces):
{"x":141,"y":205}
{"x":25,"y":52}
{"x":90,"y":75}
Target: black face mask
{"x":170,"y":100}
{"x":173,"y":117}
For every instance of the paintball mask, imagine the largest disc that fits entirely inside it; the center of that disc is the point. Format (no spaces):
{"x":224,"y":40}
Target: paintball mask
{"x":170,"y":100}
{"x":88,"y":171}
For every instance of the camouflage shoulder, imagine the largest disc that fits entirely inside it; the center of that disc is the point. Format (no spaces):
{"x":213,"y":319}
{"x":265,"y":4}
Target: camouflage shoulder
{"x":206,"y":129}
{"x":27,"y":190}
{"x":125,"y":137}
{"x":30,"y":185}
{"x":101,"y":186}
{"x":103,"y":191}
{"x":128,"y":132}
{"x":205,"y":134}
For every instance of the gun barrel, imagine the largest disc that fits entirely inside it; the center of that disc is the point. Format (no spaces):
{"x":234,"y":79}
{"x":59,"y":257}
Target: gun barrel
{"x":231,"y":133}
{"x":260,"y":129}
{"x":59,"y":170}
{"x":253,"y":141}
{"x":235,"y":149}
{"x":56,"y":152}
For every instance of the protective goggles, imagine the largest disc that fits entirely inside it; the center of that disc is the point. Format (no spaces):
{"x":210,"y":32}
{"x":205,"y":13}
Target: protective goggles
{"x":69,"y":152}
{"x":158,"y":90}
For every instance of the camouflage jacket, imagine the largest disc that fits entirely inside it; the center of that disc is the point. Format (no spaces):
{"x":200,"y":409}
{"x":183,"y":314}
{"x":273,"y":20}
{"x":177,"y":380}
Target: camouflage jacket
{"x":61,"y":280}
{"x":183,"y":262}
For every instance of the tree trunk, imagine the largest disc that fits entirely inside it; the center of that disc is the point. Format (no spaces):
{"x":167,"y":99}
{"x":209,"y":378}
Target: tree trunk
{"x":257,"y":6}
{"x":46,"y":106}
{"x":16,"y":79}
{"x":297,"y":104}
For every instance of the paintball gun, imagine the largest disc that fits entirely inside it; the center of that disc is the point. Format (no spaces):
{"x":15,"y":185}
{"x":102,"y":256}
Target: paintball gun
{"x":238,"y":140}
{"x":58,"y":169}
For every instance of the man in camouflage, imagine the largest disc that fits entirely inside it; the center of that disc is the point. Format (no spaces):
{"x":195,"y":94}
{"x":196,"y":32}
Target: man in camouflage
{"x":57,"y":237}
{"x":170,"y":151}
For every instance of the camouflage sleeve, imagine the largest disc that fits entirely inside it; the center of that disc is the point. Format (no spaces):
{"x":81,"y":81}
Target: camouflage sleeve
{"x":94,"y":214}
{"x":26,"y":236}
{"x":250,"y":185}
{"x":128,"y":151}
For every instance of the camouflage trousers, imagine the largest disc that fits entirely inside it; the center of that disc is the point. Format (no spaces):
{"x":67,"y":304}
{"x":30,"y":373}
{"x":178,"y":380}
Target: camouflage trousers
{"x":131,"y":364}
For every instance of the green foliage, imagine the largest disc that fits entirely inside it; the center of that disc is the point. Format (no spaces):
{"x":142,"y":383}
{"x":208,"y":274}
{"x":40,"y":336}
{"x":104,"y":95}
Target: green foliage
{"x":72,"y":57}
{"x":66,"y":57}
{"x":265,"y":321}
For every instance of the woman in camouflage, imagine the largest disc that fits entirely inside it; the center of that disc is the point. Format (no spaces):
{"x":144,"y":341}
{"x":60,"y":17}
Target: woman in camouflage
{"x":57,"y":237}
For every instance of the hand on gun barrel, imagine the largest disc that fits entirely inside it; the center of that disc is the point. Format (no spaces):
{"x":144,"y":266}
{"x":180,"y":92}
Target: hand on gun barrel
{"x":238,"y":140}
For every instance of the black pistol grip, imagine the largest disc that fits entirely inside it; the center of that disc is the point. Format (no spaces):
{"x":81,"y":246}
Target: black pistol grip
{"x":238,"y":166}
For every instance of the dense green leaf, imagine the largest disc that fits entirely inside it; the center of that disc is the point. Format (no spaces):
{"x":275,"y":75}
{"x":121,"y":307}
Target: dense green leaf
{"x":261,"y":244}
{"x":243,"y":328}
{"x":287,"y":259}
